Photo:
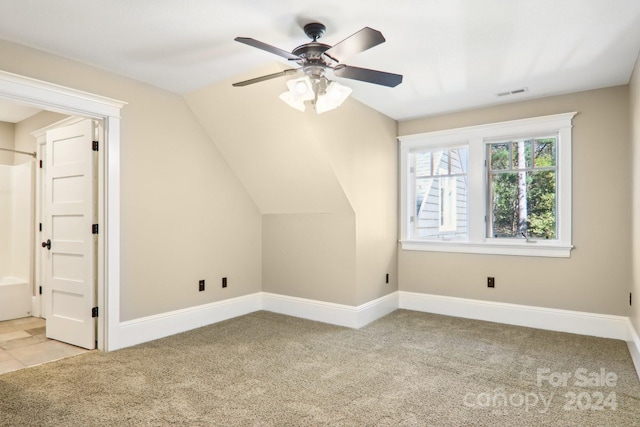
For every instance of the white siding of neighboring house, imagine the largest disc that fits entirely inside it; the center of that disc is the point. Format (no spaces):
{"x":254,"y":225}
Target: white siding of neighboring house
{"x":428,"y":212}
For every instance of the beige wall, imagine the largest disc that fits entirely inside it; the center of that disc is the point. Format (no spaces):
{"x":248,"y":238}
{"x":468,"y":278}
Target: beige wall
{"x":325,"y":184}
{"x":597,"y":277}
{"x":184,"y":214}
{"x":362,"y":149}
{"x":634,"y":95}
{"x":310,"y":256}
{"x":7,"y":140}
{"x":17,"y":136}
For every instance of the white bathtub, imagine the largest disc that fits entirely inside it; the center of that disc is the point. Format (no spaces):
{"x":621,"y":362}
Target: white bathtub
{"x":15,"y":298}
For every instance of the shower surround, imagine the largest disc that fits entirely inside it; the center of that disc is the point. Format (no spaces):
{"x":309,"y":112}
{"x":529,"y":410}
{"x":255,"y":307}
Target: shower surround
{"x":16,"y":240}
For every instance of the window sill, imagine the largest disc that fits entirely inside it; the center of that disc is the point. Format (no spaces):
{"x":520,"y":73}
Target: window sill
{"x":536,"y":248}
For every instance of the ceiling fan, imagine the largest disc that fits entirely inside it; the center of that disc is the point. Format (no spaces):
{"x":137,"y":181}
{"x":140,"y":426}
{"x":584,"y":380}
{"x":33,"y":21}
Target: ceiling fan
{"x":314,"y":59}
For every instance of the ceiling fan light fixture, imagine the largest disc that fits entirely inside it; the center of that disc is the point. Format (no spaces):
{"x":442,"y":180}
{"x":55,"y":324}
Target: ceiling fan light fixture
{"x":333,"y":97}
{"x":292,"y":101}
{"x":301,"y":88}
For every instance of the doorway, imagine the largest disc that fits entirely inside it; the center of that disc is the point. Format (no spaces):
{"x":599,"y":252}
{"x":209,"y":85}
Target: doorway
{"x":51,"y":97}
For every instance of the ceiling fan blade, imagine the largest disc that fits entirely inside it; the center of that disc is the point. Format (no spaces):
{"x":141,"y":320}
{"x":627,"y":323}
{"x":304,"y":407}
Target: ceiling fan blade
{"x":364,"y":39}
{"x":267,"y":47}
{"x":267,"y":77}
{"x":367,"y":75}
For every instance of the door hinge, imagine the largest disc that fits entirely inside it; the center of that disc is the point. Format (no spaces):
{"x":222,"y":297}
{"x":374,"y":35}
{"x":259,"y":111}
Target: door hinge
{"x":40,"y":164}
{"x":40,"y":290}
{"x":95,"y":145}
{"x":94,"y":312}
{"x":94,"y":229}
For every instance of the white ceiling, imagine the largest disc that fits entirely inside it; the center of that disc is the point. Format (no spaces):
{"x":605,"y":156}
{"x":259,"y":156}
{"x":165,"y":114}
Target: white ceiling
{"x":454,"y":54}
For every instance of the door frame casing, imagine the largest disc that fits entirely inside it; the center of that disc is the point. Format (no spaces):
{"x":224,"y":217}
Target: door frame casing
{"x":60,"y":99}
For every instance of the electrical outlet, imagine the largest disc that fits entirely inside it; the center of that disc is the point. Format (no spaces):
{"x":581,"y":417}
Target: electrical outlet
{"x":224,"y":282}
{"x":201,"y":285}
{"x":491,"y":282}
{"x":387,"y":278}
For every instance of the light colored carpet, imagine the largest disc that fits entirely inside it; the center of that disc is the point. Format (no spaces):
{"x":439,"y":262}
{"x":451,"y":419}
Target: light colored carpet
{"x":265,"y":369}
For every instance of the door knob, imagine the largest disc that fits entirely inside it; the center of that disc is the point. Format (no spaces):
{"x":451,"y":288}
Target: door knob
{"x":47,"y":244}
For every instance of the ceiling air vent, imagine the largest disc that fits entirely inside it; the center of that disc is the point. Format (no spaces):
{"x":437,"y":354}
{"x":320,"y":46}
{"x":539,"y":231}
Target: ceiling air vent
{"x":514,"y":92}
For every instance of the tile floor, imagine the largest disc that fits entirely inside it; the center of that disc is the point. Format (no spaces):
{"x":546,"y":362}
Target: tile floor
{"x":23,"y":343}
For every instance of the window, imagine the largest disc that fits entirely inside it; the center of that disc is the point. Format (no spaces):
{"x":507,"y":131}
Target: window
{"x":502,"y":188}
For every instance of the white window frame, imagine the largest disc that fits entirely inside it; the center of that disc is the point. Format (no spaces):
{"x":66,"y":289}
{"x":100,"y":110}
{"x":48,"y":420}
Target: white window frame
{"x":476,"y":138}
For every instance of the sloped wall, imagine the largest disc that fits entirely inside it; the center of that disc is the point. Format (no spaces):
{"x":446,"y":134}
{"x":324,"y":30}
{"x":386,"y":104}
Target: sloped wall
{"x":272,"y":148}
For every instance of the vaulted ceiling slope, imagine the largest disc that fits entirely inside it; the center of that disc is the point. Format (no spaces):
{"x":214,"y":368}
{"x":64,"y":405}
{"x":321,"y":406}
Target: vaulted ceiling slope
{"x":454,"y":54}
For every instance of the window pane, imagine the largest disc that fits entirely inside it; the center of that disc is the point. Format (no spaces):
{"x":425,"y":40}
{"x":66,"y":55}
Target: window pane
{"x":447,"y":204}
{"x":423,"y":163}
{"x":441,"y":162}
{"x":522,"y":153}
{"x":427,"y":212}
{"x":541,"y":204}
{"x":504,"y":200}
{"x":545,"y":152}
{"x":523,"y":203}
{"x":442,"y":208}
{"x":499,"y":156}
{"x":423,"y":186}
{"x":441,"y":197}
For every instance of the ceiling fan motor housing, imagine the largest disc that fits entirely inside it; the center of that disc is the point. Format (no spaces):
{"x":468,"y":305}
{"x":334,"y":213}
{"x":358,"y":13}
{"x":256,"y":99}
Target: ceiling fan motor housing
{"x":312,"y":53}
{"x":314,"y":30}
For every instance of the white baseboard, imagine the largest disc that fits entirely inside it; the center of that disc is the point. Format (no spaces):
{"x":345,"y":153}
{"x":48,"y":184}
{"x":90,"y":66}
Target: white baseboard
{"x":575,"y":322}
{"x":149,"y":328}
{"x":634,"y":346}
{"x":35,"y":306}
{"x":376,"y":309}
{"x":327,"y":312}
{"x":162,"y":325}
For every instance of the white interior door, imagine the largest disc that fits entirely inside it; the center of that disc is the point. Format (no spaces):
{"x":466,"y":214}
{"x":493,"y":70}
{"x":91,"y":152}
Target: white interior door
{"x":69,"y":246}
